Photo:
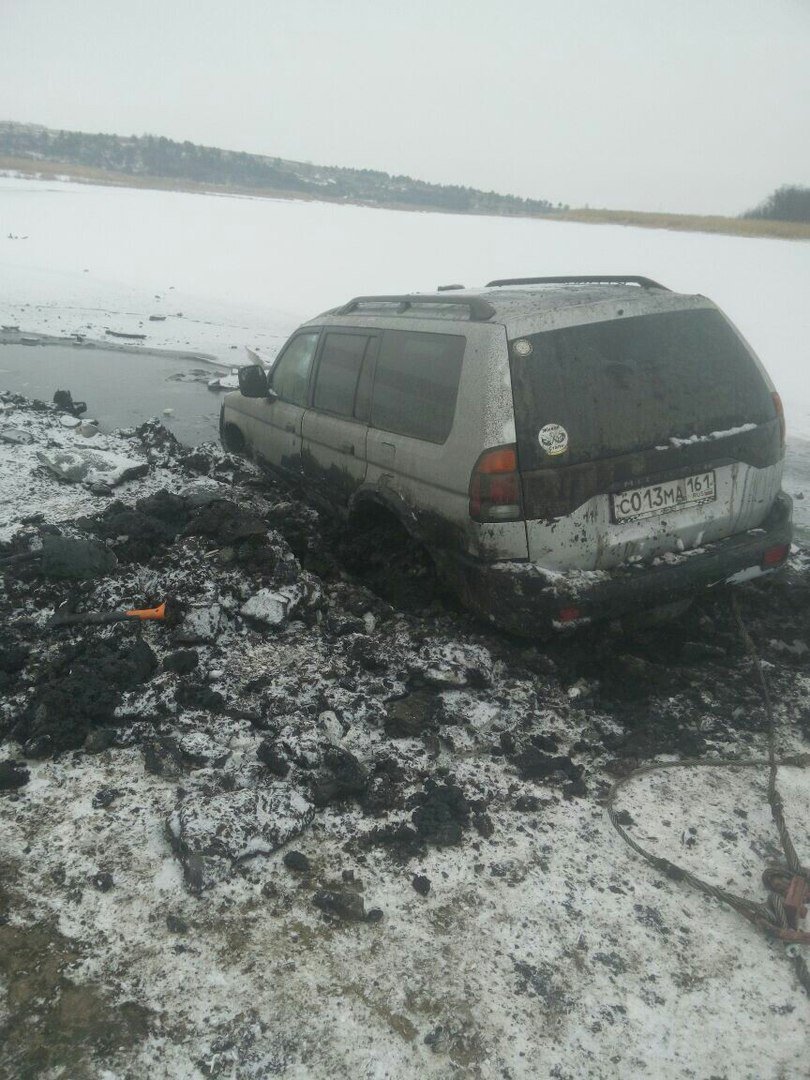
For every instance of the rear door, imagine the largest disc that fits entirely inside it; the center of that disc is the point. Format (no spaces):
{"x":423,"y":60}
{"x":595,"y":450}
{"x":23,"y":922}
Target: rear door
{"x":335,"y":429}
{"x":419,"y":448}
{"x":641,"y":436}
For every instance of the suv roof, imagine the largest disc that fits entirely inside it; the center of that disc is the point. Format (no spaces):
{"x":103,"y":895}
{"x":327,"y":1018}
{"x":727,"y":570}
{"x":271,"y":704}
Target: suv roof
{"x":505,"y":299}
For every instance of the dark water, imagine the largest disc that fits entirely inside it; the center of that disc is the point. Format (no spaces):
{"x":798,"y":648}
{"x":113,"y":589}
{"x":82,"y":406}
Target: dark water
{"x":121,"y":389}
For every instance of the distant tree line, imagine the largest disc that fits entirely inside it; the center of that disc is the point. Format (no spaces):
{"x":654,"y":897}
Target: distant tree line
{"x":155,"y":156}
{"x":787,"y":203}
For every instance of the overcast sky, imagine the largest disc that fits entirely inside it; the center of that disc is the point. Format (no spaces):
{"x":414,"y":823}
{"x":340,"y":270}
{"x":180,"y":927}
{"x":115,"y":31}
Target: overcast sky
{"x":683,"y":105}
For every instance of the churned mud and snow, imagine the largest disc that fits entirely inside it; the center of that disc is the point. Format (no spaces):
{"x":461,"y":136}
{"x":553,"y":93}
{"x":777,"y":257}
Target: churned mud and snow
{"x":309,"y":826}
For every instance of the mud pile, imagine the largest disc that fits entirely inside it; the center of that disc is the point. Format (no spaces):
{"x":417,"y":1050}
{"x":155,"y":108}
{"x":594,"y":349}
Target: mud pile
{"x":285,"y":684}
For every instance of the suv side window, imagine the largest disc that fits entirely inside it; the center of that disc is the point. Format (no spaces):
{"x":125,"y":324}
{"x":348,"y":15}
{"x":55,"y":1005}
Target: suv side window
{"x":338,"y":372}
{"x":416,"y":383}
{"x":291,"y":374}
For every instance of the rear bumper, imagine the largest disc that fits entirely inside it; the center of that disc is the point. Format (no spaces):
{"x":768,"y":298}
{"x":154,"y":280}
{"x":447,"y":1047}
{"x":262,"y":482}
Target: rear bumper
{"x":526,"y":599}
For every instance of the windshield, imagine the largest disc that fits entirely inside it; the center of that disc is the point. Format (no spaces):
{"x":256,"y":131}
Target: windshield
{"x":630,"y":384}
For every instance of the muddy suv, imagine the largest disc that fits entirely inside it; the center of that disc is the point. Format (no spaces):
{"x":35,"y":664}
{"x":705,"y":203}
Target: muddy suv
{"x":566,"y":449}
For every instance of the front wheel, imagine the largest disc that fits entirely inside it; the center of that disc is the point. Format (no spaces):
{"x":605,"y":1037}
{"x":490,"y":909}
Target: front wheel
{"x":233,"y":440}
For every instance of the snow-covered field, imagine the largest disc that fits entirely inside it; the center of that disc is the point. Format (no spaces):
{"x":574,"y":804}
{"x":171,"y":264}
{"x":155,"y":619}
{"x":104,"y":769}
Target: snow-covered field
{"x":519,"y":937}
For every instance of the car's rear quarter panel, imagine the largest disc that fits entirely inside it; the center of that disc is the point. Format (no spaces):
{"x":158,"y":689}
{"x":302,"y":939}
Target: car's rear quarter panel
{"x":428,"y":483}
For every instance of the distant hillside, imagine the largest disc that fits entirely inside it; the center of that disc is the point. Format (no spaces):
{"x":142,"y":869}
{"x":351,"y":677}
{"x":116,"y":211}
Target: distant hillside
{"x":150,"y":161}
{"x":154,"y":156}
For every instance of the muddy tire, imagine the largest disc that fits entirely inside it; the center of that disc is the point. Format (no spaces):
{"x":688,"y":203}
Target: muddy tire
{"x":379,"y":551}
{"x":233,"y":440}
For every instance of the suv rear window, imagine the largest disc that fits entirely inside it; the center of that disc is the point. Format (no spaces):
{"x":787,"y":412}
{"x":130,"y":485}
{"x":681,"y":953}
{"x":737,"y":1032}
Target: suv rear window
{"x":416,"y":383}
{"x":631,"y":384}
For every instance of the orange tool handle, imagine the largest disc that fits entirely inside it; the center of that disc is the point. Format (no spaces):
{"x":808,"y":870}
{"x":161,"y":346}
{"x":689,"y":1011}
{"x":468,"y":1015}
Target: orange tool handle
{"x":148,"y":613}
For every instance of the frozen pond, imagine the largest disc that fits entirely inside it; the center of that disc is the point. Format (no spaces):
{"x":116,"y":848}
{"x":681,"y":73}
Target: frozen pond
{"x":121,"y":388}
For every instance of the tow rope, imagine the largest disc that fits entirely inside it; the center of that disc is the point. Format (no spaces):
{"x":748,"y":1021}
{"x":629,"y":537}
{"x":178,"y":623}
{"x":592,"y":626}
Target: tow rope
{"x":788,"y":886}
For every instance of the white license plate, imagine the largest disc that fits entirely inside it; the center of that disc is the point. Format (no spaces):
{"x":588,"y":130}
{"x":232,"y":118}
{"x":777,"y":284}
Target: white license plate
{"x":643,"y":502}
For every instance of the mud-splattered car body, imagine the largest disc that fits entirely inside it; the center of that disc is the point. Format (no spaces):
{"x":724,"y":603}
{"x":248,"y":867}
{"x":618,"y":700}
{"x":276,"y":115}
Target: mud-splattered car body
{"x":566,"y":449}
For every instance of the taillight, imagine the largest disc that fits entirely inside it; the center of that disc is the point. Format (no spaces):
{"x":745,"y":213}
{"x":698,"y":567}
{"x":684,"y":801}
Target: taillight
{"x":775,"y":555}
{"x":495,"y":486}
{"x":780,"y":415}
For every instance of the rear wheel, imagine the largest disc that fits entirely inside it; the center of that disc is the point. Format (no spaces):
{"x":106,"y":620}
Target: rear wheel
{"x":379,"y":551}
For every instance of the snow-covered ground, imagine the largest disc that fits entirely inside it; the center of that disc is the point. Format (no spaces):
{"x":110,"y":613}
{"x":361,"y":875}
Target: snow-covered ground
{"x":542,"y":946}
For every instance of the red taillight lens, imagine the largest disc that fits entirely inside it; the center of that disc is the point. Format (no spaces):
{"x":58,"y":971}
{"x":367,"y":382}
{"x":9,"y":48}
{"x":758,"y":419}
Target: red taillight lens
{"x":495,"y":486}
{"x":501,"y":460}
{"x":780,"y":415}
{"x":775,"y":555}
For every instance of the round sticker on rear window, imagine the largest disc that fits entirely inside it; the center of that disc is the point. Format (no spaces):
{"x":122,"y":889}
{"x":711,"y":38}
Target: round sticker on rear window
{"x":554,"y":439}
{"x":522,"y":347}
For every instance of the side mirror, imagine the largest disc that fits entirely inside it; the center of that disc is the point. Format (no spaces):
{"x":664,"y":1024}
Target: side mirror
{"x":252,"y":381}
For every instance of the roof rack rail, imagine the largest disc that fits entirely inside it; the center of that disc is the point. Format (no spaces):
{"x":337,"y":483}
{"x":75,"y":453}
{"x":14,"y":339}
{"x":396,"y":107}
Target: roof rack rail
{"x":588,"y":279}
{"x":480,"y":310}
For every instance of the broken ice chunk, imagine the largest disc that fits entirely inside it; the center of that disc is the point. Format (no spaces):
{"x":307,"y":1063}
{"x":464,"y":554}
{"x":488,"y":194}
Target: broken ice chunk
{"x":272,"y":606}
{"x":92,"y":466}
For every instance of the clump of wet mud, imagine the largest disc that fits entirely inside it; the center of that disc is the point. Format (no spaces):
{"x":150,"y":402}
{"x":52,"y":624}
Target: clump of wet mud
{"x":78,"y":688}
{"x":440,"y":816}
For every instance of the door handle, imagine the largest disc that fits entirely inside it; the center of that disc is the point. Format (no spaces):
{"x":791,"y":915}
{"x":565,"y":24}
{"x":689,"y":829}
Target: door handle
{"x":347,"y":448}
{"x":290,"y":428}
